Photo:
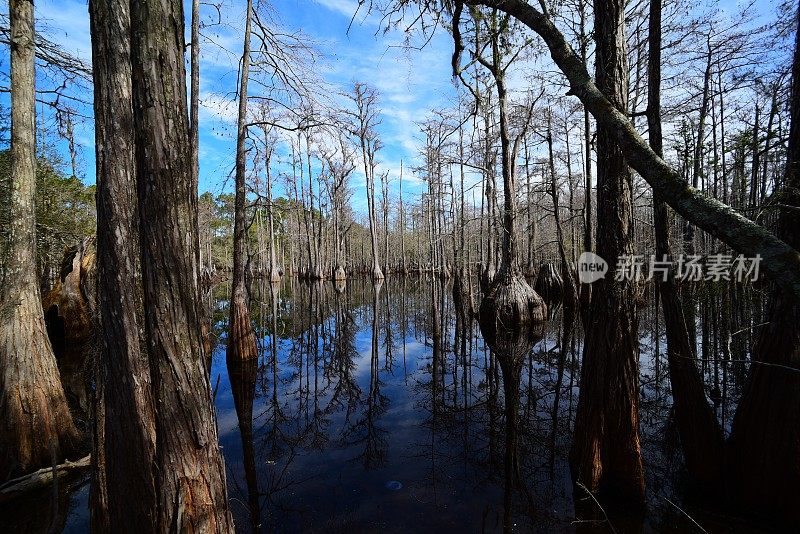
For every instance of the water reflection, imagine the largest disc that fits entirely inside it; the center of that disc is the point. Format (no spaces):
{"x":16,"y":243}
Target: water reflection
{"x":384,"y":408}
{"x":512,"y":347}
{"x":374,"y":407}
{"x":242,"y":375}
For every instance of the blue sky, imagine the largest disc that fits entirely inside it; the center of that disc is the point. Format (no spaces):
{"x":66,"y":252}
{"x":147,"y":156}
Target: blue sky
{"x":410,"y":82}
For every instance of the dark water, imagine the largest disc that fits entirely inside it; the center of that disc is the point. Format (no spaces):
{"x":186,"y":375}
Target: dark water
{"x":373,"y":409}
{"x":356,"y":427}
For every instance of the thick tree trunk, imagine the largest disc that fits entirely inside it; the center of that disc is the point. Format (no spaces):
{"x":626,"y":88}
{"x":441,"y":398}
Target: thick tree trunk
{"x":242,"y":340}
{"x":779,"y":260}
{"x":68,"y":317}
{"x":125,"y":440}
{"x":606,"y":452}
{"x":188,"y":466}
{"x":35,"y":422}
{"x":700,"y":433}
{"x":764,"y":447}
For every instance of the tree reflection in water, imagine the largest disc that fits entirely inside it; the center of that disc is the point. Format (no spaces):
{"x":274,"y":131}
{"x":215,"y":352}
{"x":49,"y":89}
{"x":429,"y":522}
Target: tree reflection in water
{"x":359,"y":385}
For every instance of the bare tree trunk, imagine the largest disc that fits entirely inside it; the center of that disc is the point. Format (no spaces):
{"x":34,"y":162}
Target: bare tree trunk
{"x":588,"y":240}
{"x":194,"y":143}
{"x":509,"y":302}
{"x":275,"y":272}
{"x":606,"y":452}
{"x":377,"y":274}
{"x":490,"y":267}
{"x":765,"y":437}
{"x":188,"y":465}
{"x":194,"y":93}
{"x":569,"y":293}
{"x":314,"y":248}
{"x":35,"y":421}
{"x":365,"y":117}
{"x":242,"y":340}
{"x":700,"y":434}
{"x":402,"y":225}
{"x":779,"y":260}
{"x":125,"y":440}
{"x":385,"y":213}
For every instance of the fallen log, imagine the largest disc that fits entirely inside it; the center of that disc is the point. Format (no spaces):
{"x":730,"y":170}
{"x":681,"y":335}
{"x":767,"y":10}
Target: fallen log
{"x":42,"y":478}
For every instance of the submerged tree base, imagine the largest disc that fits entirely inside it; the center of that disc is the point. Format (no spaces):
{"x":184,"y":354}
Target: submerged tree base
{"x":510,"y":303}
{"x":549,"y":283}
{"x":339,"y":273}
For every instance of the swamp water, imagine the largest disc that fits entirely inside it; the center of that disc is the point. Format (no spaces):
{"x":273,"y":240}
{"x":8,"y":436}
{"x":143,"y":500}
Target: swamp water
{"x":373,"y":409}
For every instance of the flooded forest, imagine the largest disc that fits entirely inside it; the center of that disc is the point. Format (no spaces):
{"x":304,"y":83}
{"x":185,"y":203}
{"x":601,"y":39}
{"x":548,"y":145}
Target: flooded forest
{"x":399,"y":266}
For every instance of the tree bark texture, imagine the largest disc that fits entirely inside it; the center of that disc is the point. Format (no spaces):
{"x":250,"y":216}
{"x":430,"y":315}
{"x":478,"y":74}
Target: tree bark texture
{"x":124,"y":436}
{"x":241,"y":341}
{"x":189,"y":469}
{"x":157,"y":464}
{"x":606,"y":451}
{"x":35,"y":421}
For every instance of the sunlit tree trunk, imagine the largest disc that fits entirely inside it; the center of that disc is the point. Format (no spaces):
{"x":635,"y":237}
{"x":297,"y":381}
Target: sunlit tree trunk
{"x":194,"y":143}
{"x":35,"y":422}
{"x":124,"y":427}
{"x":365,"y":100}
{"x":509,"y":301}
{"x":275,"y":272}
{"x":606,"y":451}
{"x":189,"y":470}
{"x":241,"y":341}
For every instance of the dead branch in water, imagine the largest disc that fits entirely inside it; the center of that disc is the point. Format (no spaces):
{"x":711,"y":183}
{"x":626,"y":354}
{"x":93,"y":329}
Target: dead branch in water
{"x":42,"y":478}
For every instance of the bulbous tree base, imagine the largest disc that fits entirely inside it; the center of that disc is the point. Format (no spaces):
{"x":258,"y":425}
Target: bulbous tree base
{"x":339,"y":273}
{"x":511,"y":303}
{"x":549,"y":283}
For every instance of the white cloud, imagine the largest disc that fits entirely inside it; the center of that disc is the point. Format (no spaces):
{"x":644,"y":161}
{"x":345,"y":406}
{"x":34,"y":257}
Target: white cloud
{"x":346,"y":8}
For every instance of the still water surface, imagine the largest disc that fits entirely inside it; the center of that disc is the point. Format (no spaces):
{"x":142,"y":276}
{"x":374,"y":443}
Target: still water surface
{"x":374,"y":409}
